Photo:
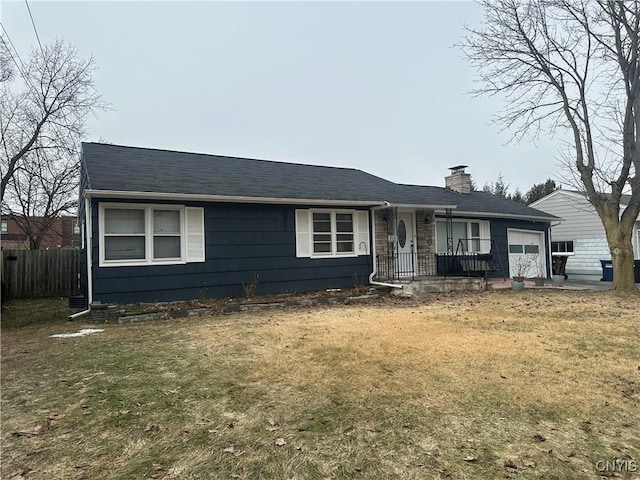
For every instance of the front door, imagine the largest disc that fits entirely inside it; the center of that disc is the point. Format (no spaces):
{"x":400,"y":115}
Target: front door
{"x":405,"y":248}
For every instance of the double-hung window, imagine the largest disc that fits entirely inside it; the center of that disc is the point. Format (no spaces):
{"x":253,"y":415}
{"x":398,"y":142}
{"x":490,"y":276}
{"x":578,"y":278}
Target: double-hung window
{"x":124,"y":234}
{"x":322,"y":236}
{"x":344,"y":233}
{"x":331,"y":233}
{"x":474,"y":236}
{"x":150,"y":234}
{"x":166,"y":234}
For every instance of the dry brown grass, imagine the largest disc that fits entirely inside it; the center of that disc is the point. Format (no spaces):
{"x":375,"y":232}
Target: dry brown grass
{"x":534,"y":384}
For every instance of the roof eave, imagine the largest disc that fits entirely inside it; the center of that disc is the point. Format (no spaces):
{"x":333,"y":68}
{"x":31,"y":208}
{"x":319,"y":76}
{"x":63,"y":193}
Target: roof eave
{"x":424,"y":206}
{"x":227,"y":198}
{"x":571,"y":193}
{"x":550,"y":218}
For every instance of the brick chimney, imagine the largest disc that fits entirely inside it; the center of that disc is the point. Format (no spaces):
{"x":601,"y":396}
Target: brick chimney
{"x":458,"y":181}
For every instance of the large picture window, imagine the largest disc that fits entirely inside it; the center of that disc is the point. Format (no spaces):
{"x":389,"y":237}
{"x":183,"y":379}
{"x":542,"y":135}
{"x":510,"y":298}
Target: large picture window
{"x":469,"y":236}
{"x":149,"y":234}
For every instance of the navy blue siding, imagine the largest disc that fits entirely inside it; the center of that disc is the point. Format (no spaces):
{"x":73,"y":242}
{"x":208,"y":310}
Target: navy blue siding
{"x":240,"y":239}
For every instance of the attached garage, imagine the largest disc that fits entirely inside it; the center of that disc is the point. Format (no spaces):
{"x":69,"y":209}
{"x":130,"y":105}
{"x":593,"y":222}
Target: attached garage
{"x":527,"y":253}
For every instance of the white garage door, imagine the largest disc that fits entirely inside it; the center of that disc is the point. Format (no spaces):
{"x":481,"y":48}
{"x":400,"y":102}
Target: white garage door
{"x":526,"y":253}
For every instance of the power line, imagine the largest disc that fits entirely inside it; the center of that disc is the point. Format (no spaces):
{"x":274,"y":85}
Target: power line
{"x":19,"y":63}
{"x":34,"y":26}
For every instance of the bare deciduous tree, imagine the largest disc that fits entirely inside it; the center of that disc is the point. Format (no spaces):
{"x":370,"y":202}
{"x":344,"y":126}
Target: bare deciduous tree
{"x":44,"y":105}
{"x":6,"y":67}
{"x":40,"y":192}
{"x":573,"y":66}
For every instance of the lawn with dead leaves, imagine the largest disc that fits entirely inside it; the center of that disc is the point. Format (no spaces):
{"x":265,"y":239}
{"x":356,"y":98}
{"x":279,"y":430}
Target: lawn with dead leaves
{"x":533,"y":384}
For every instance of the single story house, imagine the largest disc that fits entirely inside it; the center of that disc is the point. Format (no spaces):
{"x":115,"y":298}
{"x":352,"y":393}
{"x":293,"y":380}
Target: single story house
{"x":580,"y":235}
{"x":163,"y":225}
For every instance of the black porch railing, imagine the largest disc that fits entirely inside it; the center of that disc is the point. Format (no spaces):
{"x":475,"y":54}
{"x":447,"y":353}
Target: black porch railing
{"x":405,"y":265}
{"x":410,"y":265}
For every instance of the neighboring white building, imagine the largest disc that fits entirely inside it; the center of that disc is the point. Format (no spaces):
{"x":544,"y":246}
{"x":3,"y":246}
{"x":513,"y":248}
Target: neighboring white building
{"x":580,"y":234}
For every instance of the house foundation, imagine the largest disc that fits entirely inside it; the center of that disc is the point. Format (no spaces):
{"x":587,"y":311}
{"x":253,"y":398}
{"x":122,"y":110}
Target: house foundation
{"x":424,"y":286}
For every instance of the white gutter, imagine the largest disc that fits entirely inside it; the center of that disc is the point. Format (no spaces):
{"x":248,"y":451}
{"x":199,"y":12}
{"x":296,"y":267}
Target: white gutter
{"x":227,"y":198}
{"x":88,"y":245}
{"x":460,"y":213}
{"x":382,"y":207}
{"x":550,"y":252}
{"x":249,"y":199}
{"x":373,"y":250}
{"x":438,"y":207}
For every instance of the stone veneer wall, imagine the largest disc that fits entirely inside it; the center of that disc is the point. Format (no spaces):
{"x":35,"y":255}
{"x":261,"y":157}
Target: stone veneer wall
{"x":426,"y":231}
{"x":425,"y":236}
{"x":382,"y":233}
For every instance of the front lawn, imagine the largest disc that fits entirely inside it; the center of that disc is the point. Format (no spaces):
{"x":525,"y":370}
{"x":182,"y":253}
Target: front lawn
{"x":534,"y":384}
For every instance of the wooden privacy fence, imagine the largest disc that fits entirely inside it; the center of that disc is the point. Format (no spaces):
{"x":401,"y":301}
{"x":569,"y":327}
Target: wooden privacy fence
{"x":40,"y":273}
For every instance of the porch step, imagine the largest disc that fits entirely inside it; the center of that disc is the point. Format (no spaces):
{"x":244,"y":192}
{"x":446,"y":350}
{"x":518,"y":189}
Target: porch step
{"x":425,"y":286}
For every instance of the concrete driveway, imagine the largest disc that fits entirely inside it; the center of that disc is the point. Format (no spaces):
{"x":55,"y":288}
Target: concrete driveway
{"x":498,"y":283}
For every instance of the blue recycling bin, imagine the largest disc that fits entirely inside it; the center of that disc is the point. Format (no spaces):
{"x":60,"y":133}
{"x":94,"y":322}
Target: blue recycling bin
{"x":607,"y":270}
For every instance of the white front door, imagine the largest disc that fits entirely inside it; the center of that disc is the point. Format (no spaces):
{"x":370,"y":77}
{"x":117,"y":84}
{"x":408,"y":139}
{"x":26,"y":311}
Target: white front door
{"x":405,"y":248}
{"x":526,"y":254}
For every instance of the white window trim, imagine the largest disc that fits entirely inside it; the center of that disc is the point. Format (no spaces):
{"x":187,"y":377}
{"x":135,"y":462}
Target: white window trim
{"x":304,"y":233}
{"x":334,"y":233}
{"x":148,"y":260}
{"x":468,"y":222}
{"x":563,"y":254}
{"x":5,"y":226}
{"x":471,"y":238}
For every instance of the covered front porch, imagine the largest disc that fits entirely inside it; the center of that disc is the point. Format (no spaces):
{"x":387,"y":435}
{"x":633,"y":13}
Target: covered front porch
{"x":413,"y":265}
{"x":409,"y":244}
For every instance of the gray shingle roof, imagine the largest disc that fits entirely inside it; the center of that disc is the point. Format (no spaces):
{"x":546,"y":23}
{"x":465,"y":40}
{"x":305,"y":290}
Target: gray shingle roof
{"x":132,"y":169}
{"x":476,"y":202}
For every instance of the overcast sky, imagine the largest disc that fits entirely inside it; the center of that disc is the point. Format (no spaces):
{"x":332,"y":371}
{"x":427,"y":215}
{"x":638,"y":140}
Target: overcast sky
{"x":376,"y":86}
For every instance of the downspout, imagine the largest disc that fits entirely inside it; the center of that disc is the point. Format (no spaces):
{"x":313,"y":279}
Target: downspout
{"x":549,"y":249}
{"x":550,"y":253}
{"x":373,"y":250}
{"x":88,"y":245}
